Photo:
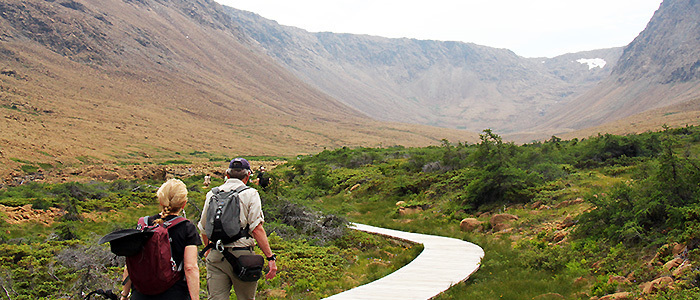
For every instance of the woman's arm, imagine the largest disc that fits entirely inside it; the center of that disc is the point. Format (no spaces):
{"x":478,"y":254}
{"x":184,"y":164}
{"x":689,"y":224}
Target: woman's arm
{"x":192,"y":271}
{"x":127,"y":285}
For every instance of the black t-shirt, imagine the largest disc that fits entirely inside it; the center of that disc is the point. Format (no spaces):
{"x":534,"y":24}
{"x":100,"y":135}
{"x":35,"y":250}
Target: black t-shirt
{"x":181,"y":235}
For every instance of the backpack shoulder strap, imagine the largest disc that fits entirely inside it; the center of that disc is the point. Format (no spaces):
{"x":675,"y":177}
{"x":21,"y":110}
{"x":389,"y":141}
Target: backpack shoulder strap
{"x":143,"y":223}
{"x":242,"y":188}
{"x":174,"y":221}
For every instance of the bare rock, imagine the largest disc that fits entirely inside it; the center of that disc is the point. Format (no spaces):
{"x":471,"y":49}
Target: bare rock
{"x":567,"y":222}
{"x":500,"y":218}
{"x":559,"y":236}
{"x":569,"y":202}
{"x":409,"y":210}
{"x":536,"y":204}
{"x":656,"y":285}
{"x":684,"y":268}
{"x":470,"y":224}
{"x":617,"y":296}
{"x":618,"y":279}
{"x":678,"y":249}
{"x":501,"y":222}
{"x":668,"y":266}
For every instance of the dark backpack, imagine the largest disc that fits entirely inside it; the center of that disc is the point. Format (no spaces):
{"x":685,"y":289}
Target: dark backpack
{"x":223,"y":218}
{"x":153,"y":270}
{"x":264,"y":180}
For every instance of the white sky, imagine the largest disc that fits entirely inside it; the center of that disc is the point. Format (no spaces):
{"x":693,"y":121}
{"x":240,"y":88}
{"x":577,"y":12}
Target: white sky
{"x":531,"y":28}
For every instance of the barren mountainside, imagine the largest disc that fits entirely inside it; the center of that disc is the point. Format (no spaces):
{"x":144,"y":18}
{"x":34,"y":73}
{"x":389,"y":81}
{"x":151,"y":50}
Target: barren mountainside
{"x":448,"y":84}
{"x":138,"y":80}
{"x":129,"y":81}
{"x":656,"y":80}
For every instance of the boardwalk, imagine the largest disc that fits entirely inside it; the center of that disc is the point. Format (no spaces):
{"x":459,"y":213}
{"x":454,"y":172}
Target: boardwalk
{"x":443,"y":263}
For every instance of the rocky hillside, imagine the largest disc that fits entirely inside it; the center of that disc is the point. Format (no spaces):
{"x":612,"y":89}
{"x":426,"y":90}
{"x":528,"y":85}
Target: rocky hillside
{"x":138,"y":80}
{"x":658,"y":75}
{"x":448,"y":84}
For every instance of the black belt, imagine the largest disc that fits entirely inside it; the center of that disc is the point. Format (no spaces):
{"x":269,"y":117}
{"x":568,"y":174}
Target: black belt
{"x":249,"y":248}
{"x":211,"y":246}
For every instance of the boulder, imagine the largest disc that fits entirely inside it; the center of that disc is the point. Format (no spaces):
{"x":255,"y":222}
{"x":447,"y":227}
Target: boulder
{"x":470,"y":224}
{"x":502,"y":221}
{"x":678,"y":249}
{"x":668,"y":266}
{"x":409,"y":210}
{"x":618,"y":279}
{"x":682,"y":269}
{"x":656,"y":285}
{"x":616,"y":296}
{"x":500,"y":218}
{"x":569,"y":202}
{"x":567,"y":222}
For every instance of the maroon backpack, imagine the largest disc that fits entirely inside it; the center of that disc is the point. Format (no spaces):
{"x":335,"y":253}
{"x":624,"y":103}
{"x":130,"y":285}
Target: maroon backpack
{"x":153,"y":270}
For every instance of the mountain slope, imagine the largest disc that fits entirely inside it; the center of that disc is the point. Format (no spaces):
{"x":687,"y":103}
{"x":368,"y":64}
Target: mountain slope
{"x":130,"y":80}
{"x":448,"y":84}
{"x":659,"y":69}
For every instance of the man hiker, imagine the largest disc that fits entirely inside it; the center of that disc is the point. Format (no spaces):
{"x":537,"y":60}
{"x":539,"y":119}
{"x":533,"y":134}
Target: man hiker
{"x":220,"y":274}
{"x":207,"y":181}
{"x":261,"y":178}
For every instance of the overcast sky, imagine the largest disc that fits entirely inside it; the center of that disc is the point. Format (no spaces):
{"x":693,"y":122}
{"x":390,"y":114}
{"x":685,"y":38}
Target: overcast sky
{"x":531,"y":28}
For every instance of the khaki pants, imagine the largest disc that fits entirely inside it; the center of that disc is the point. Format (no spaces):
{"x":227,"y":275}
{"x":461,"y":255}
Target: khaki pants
{"x":220,"y":278}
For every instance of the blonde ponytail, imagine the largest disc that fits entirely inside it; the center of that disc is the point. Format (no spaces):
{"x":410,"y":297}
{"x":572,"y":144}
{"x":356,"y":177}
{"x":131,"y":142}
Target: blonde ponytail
{"x":172,"y":197}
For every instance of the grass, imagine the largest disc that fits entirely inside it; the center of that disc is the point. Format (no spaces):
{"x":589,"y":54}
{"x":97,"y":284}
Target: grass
{"x":502,"y":276}
{"x":508,"y":271}
{"x":29,"y":168}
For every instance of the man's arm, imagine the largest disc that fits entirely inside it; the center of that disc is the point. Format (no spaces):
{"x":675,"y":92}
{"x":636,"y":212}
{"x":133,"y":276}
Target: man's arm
{"x":261,"y":237}
{"x":205,"y":242}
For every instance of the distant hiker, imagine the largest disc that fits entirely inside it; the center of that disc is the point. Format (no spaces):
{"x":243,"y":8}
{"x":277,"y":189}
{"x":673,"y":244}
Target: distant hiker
{"x":172,"y":197}
{"x":220,"y":271}
{"x":207,"y":181}
{"x":261,"y":178}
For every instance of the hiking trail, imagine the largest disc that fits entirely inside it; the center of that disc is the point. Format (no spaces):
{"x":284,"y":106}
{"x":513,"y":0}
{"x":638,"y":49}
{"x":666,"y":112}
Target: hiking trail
{"x":443,"y":263}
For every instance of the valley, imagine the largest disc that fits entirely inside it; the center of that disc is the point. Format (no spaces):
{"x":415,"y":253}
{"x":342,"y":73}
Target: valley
{"x":577,"y":174}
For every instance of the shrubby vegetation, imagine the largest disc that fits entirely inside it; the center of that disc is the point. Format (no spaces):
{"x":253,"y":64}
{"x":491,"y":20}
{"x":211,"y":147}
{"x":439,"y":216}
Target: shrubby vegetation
{"x":640,"y":195}
{"x":316,"y":251}
{"x":642,"y":190}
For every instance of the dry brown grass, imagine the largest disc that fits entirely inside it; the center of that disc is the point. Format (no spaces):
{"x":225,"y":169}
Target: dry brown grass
{"x":190,"y":87}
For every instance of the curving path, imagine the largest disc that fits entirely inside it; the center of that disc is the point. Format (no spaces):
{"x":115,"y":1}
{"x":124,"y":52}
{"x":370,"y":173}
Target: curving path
{"x":443,"y":263}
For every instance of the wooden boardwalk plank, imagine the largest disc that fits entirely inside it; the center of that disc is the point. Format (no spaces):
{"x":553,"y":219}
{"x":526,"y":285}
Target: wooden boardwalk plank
{"x":443,"y":263}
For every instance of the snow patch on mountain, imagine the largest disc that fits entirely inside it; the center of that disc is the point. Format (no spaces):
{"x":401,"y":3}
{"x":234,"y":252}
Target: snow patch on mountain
{"x":592,"y":62}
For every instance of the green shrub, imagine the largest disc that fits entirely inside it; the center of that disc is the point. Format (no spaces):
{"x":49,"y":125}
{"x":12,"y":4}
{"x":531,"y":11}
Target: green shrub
{"x":29,"y":169}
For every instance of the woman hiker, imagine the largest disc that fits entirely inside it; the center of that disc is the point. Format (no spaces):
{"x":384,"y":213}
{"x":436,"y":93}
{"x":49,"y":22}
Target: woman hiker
{"x":172,"y":197}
